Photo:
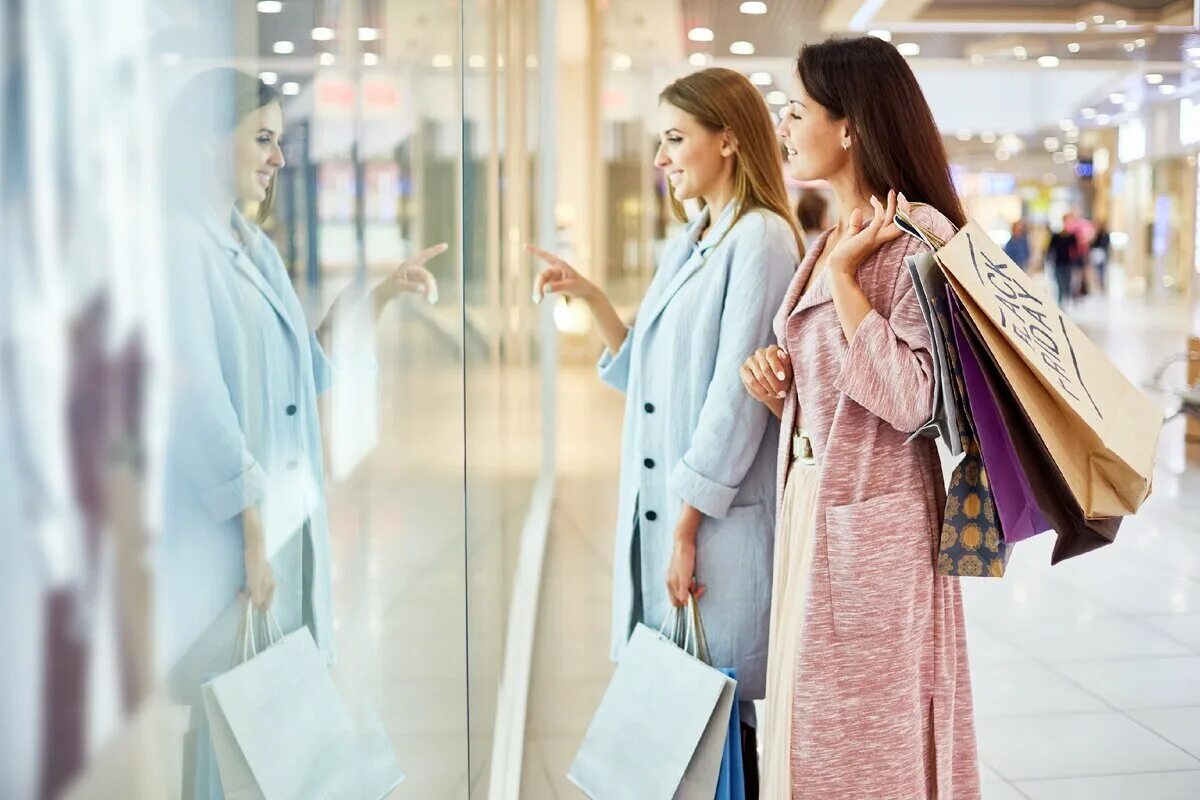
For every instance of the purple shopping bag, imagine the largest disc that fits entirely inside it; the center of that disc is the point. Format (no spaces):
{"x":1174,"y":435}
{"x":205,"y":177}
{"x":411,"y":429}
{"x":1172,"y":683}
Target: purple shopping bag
{"x":1020,"y":515}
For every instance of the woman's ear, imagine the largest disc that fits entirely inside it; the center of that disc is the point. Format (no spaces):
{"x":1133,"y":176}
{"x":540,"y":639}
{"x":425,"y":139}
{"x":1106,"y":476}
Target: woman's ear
{"x":729,"y":143}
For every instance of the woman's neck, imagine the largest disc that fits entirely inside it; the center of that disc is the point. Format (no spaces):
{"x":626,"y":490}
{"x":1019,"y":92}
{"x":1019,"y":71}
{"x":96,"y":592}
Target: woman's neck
{"x":849,"y":196}
{"x":716,"y":202}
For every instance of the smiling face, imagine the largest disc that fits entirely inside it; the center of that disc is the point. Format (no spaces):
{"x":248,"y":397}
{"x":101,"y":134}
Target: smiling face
{"x":694,"y":160}
{"x":815,"y":142}
{"x":257,"y":156}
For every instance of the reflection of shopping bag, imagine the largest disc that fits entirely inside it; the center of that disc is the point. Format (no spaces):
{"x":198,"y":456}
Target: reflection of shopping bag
{"x":279,"y":729}
{"x":1101,"y":431}
{"x":731,"y":785}
{"x":661,"y":727}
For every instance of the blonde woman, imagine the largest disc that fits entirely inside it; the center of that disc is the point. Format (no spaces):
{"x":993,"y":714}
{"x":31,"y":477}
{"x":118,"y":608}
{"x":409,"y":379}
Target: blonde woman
{"x":697,"y":486}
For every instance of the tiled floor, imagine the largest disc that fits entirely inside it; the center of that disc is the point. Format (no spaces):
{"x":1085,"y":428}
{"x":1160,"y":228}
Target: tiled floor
{"x":1086,"y":675}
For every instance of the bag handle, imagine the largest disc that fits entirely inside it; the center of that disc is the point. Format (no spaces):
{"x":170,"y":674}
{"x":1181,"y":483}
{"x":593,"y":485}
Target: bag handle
{"x":684,"y":627}
{"x":264,"y":624}
{"x":910,"y":226}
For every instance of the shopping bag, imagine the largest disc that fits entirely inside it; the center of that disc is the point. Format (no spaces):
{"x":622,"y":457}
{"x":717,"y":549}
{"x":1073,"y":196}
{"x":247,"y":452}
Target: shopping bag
{"x":279,"y":729}
{"x":1076,"y":533}
{"x":661,"y":727}
{"x":1100,"y":429}
{"x":928,"y":281}
{"x":972,"y":543}
{"x":731,"y":784}
{"x":1020,"y":516}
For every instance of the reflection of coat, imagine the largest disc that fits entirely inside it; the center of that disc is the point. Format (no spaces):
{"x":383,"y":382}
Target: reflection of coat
{"x":692,"y":433}
{"x":882,"y":676}
{"x":244,"y":427}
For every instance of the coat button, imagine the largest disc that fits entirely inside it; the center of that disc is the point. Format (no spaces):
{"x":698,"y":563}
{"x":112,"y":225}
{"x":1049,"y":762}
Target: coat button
{"x":291,"y":410}
{"x":650,"y":515}
{"x":649,"y":462}
{"x":649,"y":408}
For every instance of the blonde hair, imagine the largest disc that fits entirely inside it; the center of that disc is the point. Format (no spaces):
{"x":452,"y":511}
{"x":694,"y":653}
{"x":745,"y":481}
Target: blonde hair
{"x":724,"y":100}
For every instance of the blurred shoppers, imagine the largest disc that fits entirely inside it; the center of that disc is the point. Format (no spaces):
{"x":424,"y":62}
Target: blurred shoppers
{"x":1082,"y":230}
{"x":245,"y":505}
{"x":697,"y":487}
{"x":1063,"y":254}
{"x":1099,"y":252}
{"x":811,"y":210}
{"x":1017,"y":246}
{"x":869,"y":658}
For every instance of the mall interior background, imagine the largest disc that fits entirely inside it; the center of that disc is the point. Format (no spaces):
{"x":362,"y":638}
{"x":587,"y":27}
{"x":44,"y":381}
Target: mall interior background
{"x":487,"y":124}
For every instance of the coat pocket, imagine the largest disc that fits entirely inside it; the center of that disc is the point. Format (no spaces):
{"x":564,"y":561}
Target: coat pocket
{"x":878,"y":558}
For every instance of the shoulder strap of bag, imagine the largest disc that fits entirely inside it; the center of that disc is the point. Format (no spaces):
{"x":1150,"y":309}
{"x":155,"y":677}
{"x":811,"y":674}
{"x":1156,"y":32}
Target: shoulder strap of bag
{"x":917,"y":231}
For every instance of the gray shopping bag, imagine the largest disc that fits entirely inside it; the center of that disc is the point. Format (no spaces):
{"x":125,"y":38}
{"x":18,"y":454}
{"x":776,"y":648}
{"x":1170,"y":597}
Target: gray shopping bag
{"x":660,"y":730}
{"x":280,"y":731}
{"x":929,"y":282}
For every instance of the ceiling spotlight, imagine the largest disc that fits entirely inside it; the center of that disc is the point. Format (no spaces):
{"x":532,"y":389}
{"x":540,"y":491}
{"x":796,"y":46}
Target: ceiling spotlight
{"x":698,"y":59}
{"x":291,"y":87}
{"x":1129,"y":47}
{"x":1098,"y":19}
{"x":440,"y":61}
{"x":1167,"y":88}
{"x":887,"y":35}
{"x":777,"y":98}
{"x":284,"y":47}
{"x":909,"y":49}
{"x":621,"y":62}
{"x":368,"y":34}
{"x":1121,"y":23}
{"x":1153,"y":78}
{"x":1012,"y":143}
{"x":371,"y":59}
{"x":1066,"y":124}
{"x":700,"y":34}
{"x":1103,"y":119}
{"x":753,"y":7}
{"x":964,"y":135}
{"x":1116,"y":98}
{"x":1087,"y":113}
{"x":269,"y":6}
{"x":1073,"y":47}
{"x":269,"y":78}
{"x":742,"y":49}
{"x":1048,"y":62}
{"x":761,"y":78}
{"x":1050,"y":143}
{"x":1073,"y":135}
{"x":476,"y":62}
{"x":326,"y":59}
{"x":1070,"y":150}
{"x":1140,"y":42}
{"x":987,"y":137}
{"x":1002,"y":154}
{"x":1021,"y":53}
{"x":322,"y":34}
{"x":1081,"y":26}
{"x":1193,"y":52}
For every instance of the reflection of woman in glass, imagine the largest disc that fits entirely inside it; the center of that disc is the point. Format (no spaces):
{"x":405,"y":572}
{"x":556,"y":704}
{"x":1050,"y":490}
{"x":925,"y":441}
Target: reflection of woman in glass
{"x":245,"y":506}
{"x":869,"y":691}
{"x":697,"y":466}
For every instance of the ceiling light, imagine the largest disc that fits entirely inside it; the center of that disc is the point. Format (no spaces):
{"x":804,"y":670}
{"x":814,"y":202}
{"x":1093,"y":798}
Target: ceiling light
{"x":964,"y":135}
{"x":742,"y":49}
{"x":1081,"y":26}
{"x":269,"y":6}
{"x":1002,"y":154}
{"x":269,"y":78}
{"x":1098,"y":19}
{"x":753,"y":7}
{"x":291,"y":87}
{"x":698,"y":59}
{"x":1129,"y":47}
{"x":1070,"y":151}
{"x":977,"y":59}
{"x":1012,"y":143}
{"x":1073,"y":135}
{"x":1154,"y":78}
{"x":1066,"y":124}
{"x":1103,"y":119}
{"x":322,"y":34}
{"x":1121,"y":23}
{"x":1117,"y":98}
{"x":1021,"y":53}
{"x":371,"y":59}
{"x":700,"y":34}
{"x":1050,"y":143}
{"x":440,"y":61}
{"x":987,"y":137}
{"x":1073,"y":47}
{"x":761,"y":78}
{"x":1140,"y":42}
{"x":476,"y":62}
{"x":1048,"y":61}
{"x":284,"y":47}
{"x":887,"y":35}
{"x":326,"y":59}
{"x":1193,"y":52}
{"x":1087,"y":113}
{"x":777,"y":98}
{"x":1167,"y":88}
{"x":368,"y":34}
{"x":621,"y":62}
{"x":909,"y":49}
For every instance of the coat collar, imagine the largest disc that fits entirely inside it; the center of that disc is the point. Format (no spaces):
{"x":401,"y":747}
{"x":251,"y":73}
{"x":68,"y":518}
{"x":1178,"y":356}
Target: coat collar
{"x":697,"y":254}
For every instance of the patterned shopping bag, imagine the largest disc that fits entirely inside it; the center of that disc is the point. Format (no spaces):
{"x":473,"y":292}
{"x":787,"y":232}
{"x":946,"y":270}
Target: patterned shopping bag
{"x":972,"y":543}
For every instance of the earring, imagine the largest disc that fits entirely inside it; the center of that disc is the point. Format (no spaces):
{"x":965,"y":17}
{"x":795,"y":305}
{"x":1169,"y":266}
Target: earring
{"x":845,"y":145}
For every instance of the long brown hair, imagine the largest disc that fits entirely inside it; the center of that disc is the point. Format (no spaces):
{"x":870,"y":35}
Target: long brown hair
{"x":896,"y":142}
{"x":725,"y":100}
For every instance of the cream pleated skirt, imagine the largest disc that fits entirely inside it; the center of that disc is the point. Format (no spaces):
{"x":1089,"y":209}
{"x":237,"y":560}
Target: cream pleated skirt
{"x":789,"y":592}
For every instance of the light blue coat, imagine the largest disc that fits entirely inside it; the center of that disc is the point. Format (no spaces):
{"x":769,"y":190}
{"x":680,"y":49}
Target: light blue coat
{"x":692,"y":434}
{"x":244,"y":429}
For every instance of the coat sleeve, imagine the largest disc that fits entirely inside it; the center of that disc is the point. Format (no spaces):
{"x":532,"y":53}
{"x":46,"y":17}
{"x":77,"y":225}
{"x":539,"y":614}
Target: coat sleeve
{"x":731,"y":425}
{"x":888,"y":369}
{"x":614,"y":367}
{"x":210,"y":448}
